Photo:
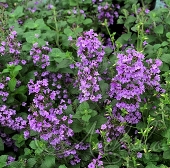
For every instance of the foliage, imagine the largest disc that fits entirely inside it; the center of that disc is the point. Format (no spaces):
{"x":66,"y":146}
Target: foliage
{"x":84,"y":84}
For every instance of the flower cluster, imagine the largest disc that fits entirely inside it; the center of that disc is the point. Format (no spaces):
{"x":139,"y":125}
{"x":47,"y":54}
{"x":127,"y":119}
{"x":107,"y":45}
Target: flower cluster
{"x":75,"y":12}
{"x":131,"y":81}
{"x":47,"y":113}
{"x":91,"y":52}
{"x":4,"y":5}
{"x":3,"y":93}
{"x":6,"y":119}
{"x":10,"y":48}
{"x":40,"y":55}
{"x":45,"y":118}
{"x":10,"y":45}
{"x":96,"y":1}
{"x":8,"y":141}
{"x":109,"y":131}
{"x":108,"y":12}
{"x":96,"y":162}
{"x":10,"y":159}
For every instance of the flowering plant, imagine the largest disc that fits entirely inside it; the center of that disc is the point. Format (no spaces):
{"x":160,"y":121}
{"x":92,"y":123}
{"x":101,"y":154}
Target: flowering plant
{"x":84,"y":84}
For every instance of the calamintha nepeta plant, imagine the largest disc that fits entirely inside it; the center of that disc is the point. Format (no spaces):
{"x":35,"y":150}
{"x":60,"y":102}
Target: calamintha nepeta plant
{"x":68,"y":99}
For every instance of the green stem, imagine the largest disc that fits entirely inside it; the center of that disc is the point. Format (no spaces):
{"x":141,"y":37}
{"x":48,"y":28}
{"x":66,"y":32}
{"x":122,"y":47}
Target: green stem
{"x":78,"y":9}
{"x":109,"y":32}
{"x":56,"y":28}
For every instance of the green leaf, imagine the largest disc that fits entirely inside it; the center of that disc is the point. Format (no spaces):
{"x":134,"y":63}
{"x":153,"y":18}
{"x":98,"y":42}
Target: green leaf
{"x":168,"y":35}
{"x":164,"y":67}
{"x":99,"y":119}
{"x":76,"y":126}
{"x":165,"y":43}
{"x":1,"y":145}
{"x":31,"y":162}
{"x":52,"y":67}
{"x":112,"y":166}
{"x":2,"y":164}
{"x":130,"y":19}
{"x":11,"y":84}
{"x":165,"y":58}
{"x":87,"y":21}
{"x":66,"y":70}
{"x":93,"y":113}
{"x":5,"y":71}
{"x":22,"y":97}
{"x":62,"y":166}
{"x":31,"y":39}
{"x":159,"y":29}
{"x":68,"y":31}
{"x":21,"y":90}
{"x":16,"y":164}
{"x":165,"y":147}
{"x":39,"y":151}
{"x":28,"y":76}
{"x":10,"y":99}
{"x":124,"y":38}
{"x":90,"y":128}
{"x":27,"y":151}
{"x":3,"y":158}
{"x":150,"y":165}
{"x":78,"y":30}
{"x":64,"y":63}
{"x":83,"y":106}
{"x":41,"y":24}
{"x":57,"y":55}
{"x":166,"y":154}
{"x":167,"y":20}
{"x":26,"y":46}
{"x":154,"y":147}
{"x":103,"y":86}
{"x":16,"y":70}
{"x":18,"y":138}
{"x":30,"y":24}
{"x":73,"y":2}
{"x":33,"y":145}
{"x":86,"y":117}
{"x":62,"y":23}
{"x":33,"y":133}
{"x":69,"y":110}
{"x":49,"y":162}
{"x":18,"y":12}
{"x":163,"y":166}
{"x":87,"y":2}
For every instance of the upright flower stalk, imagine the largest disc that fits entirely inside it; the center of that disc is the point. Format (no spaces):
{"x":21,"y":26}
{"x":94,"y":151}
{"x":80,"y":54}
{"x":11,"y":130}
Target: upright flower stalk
{"x":91,"y":52}
{"x":131,"y":81}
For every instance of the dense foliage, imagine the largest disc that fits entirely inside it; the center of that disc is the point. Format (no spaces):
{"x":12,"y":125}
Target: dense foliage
{"x":84,"y":84}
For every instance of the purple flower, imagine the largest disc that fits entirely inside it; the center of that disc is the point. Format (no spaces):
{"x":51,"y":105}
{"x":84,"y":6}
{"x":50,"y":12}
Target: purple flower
{"x":103,"y":126}
{"x":130,"y":82}
{"x":70,"y":38}
{"x":26,"y":134}
{"x":91,"y":52}
{"x":10,"y":159}
{"x":139,"y":155}
{"x":145,"y":43}
{"x":108,"y":12}
{"x":147,"y":11}
{"x":91,"y":165}
{"x":23,"y":62}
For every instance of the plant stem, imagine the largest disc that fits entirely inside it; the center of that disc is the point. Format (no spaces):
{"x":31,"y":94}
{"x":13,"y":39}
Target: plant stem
{"x":56,"y":28}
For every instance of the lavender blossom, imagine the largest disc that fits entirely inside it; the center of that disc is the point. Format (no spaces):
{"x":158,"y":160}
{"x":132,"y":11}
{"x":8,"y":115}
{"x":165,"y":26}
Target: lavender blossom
{"x":91,"y":52}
